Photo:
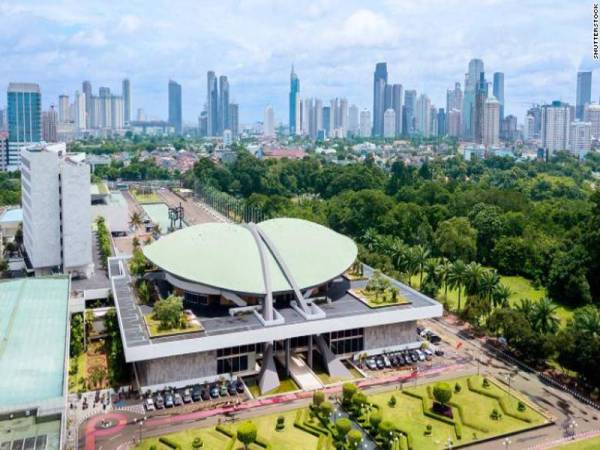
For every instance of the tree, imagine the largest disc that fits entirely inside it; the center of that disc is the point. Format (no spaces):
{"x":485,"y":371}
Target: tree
{"x":456,"y":279}
{"x":567,"y":281}
{"x":489,"y":223}
{"x":77,"y":337}
{"x":500,"y":296}
{"x":135,"y":220}
{"x":343,"y":427}
{"x":135,"y":242}
{"x":444,"y":270}
{"x":455,"y":238}
{"x":246,"y":433}
{"x":318,"y":398}
{"x":420,"y":255}
{"x":138,"y":263}
{"x":168,"y":312}
{"x":473,"y":276}
{"x":156,"y":229}
{"x":144,"y":292}
{"x":442,"y":392}
{"x":354,"y":438}
{"x":326,"y":409}
{"x":543,"y":316}
{"x":375,"y":420}
{"x":348,"y":391}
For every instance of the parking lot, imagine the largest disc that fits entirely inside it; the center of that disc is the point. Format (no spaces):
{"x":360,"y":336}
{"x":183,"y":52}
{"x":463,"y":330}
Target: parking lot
{"x":207,"y":395}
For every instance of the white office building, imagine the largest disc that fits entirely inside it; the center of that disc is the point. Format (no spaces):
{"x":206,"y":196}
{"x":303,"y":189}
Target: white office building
{"x":353,"y":121}
{"x":592,"y":114}
{"x":56,"y":210}
{"x":424,"y":115}
{"x":269,"y":125}
{"x":580,"y":138}
{"x":491,"y":122}
{"x":556,"y":119}
{"x":453,"y":120}
{"x":365,"y":123}
{"x":389,"y":123}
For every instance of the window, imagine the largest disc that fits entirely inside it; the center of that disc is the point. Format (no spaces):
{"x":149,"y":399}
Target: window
{"x":346,"y":341}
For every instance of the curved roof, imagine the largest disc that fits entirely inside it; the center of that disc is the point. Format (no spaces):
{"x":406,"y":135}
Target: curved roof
{"x":227,"y":256}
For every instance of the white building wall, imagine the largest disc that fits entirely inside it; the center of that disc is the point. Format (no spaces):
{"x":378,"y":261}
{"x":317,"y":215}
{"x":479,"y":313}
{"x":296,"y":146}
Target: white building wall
{"x":389,"y":123}
{"x":580,"y":138}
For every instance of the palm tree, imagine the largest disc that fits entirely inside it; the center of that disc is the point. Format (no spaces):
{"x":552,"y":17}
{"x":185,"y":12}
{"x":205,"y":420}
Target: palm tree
{"x":488,"y":284}
{"x":444,"y":269}
{"x":473,"y":276}
{"x":500,"y":296}
{"x":412,"y":264}
{"x":156,"y":229}
{"x":135,"y":242}
{"x":544,"y":319}
{"x":135,"y":220}
{"x":421,"y":254}
{"x":456,"y":278}
{"x":370,"y":239}
{"x":525,"y":306}
{"x":399,"y":255}
{"x":588,"y":320}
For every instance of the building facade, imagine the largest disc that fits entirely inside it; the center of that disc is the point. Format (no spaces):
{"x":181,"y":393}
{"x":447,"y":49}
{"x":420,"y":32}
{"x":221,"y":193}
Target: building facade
{"x":389,"y":123}
{"x":580,"y":137}
{"x":584,"y":93}
{"x":24,"y":111}
{"x":491,"y":123}
{"x":175,"y":106}
{"x":556,"y":119}
{"x":380,"y":77}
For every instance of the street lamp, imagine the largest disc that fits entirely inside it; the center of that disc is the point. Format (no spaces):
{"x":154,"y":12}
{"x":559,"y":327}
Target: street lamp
{"x":506,"y":443}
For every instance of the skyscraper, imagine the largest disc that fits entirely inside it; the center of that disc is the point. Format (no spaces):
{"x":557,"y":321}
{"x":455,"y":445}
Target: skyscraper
{"x":294,"y":102}
{"x":63,"y":109}
{"x":556,"y":119}
{"x":353,"y":121}
{"x":397,"y":94}
{"x":379,"y":85}
{"x":423,"y":115}
{"x":326,"y":119}
{"x":472,"y":79}
{"x":491,"y":122}
{"x":50,"y":120}
{"x":580,"y":138}
{"x":389,"y":123}
{"x":269,"y":123}
{"x":234,"y":119}
{"x":441,"y":122}
{"x":454,"y":98}
{"x":365,"y":123}
{"x":175,"y":109}
{"x":212,"y":104}
{"x":86,"y":88}
{"x":126,"y":93}
{"x":408,"y":112}
{"x":453,"y":120}
{"x":584,"y":93}
{"x":498,"y":91}
{"x":24,"y":101}
{"x":79,"y":111}
{"x":223,"y":104}
{"x":477,"y":114}
{"x":592,"y":114}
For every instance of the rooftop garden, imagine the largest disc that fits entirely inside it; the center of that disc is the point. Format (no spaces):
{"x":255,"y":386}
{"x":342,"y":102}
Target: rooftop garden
{"x":355,"y":272}
{"x":379,"y":292}
{"x":168,"y":318}
{"x":144,"y":195}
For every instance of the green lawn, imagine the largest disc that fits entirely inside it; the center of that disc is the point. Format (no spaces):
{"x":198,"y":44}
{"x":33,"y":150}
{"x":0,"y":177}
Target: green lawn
{"x":520,"y":287}
{"x":289,"y":438}
{"x":408,"y":415}
{"x":373,"y":300}
{"x":75,"y":384}
{"x":155,"y":330}
{"x":146,"y":198}
{"x":586,"y":444}
{"x":326,"y":379}
{"x":286,"y":385}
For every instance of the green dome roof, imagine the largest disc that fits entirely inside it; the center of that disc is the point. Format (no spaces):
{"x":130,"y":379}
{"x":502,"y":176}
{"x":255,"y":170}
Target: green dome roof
{"x":226,"y":256}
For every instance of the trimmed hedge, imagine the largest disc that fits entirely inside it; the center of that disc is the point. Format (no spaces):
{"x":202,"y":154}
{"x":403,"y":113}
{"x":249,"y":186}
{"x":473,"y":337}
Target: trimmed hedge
{"x":427,"y":405}
{"x":171,"y":443}
{"x":225,"y":429}
{"x":475,"y":425}
{"x":506,"y":407}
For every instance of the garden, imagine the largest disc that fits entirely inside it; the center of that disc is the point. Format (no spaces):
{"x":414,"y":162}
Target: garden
{"x":168,"y":318}
{"x":428,"y":417}
{"x":379,"y":292}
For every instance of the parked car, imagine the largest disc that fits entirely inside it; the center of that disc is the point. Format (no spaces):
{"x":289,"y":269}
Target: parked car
{"x":205,"y":394}
{"x":169,"y":400}
{"x":159,"y":402}
{"x":393,"y":360}
{"x":387,"y":362}
{"x":380,"y":363}
{"x":240,"y":387}
{"x":196,"y":393}
{"x":414,"y":356}
{"x":223,"y":390}
{"x":232,"y":388}
{"x":214,"y":391}
{"x":177,"y":399}
{"x":401,"y":360}
{"x":428,"y":354}
{"x":149,"y":404}
{"x":371,"y":364}
{"x":420,"y":355}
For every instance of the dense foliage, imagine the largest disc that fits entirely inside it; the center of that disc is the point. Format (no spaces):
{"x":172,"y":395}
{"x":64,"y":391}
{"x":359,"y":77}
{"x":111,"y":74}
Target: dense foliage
{"x":10,"y":188}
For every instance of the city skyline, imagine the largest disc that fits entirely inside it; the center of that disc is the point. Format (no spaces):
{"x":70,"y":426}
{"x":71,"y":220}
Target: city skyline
{"x":108,"y":46}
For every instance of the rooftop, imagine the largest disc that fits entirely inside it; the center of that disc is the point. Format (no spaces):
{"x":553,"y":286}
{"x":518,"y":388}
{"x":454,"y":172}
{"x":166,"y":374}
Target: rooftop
{"x":226,"y":256}
{"x":33,"y":326}
{"x":11,"y":215}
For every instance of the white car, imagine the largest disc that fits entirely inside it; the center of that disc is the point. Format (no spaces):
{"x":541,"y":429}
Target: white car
{"x":421,"y":355}
{"x":149,"y":404}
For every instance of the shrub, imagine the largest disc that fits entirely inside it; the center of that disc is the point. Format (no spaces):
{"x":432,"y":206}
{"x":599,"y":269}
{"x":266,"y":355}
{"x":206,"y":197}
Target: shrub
{"x":354,"y":438}
{"x":392,"y":401}
{"x":280,"y":423}
{"x":246,"y":433}
{"x":326,"y":409}
{"x":385,"y":428}
{"x":428,"y":429}
{"x":486,"y":383}
{"x":343,"y":427}
{"x":348,"y":390}
{"x":197,"y":442}
{"x":358,"y":399}
{"x":521,"y":406}
{"x":171,"y":443}
{"x":168,"y":312}
{"x":495,"y":415}
{"x":375,"y":420}
{"x":153,"y":447}
{"x":457,"y":388}
{"x":442,"y":392}
{"x":318,"y":398}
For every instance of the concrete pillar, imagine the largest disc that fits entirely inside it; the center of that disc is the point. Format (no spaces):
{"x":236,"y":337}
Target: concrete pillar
{"x":310,"y":351}
{"x":287,"y":357}
{"x":268,"y":307}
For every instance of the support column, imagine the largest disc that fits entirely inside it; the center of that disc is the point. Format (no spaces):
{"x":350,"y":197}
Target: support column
{"x":310,"y":352}
{"x":287,"y":357}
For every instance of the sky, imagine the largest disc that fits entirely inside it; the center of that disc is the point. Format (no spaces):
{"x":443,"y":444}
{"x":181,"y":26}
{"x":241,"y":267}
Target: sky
{"x":333,"y":44}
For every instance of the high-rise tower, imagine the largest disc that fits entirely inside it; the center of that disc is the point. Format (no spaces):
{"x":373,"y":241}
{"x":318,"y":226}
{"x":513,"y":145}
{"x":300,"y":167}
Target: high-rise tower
{"x":584,"y":93}
{"x":379,"y":84}
{"x":175,"y":110}
{"x":294,"y":91}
